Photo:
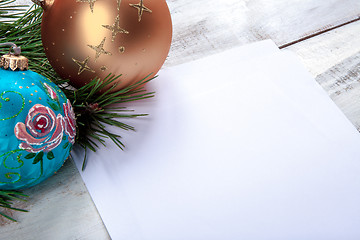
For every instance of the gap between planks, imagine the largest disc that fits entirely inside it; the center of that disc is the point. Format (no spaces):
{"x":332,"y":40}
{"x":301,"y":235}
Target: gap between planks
{"x":319,"y":33}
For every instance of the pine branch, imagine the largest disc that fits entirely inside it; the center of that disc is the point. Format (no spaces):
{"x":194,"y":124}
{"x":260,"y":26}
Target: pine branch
{"x":95,"y":106}
{"x":94,"y":109}
{"x":7,"y":198}
{"x":10,"y":12}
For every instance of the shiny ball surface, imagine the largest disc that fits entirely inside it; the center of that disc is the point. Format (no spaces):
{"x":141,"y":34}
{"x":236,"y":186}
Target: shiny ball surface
{"x":88,"y":38}
{"x":37,"y":129}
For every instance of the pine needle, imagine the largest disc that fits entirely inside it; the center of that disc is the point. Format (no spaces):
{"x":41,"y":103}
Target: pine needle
{"x":93,"y":104}
{"x":7,"y":198}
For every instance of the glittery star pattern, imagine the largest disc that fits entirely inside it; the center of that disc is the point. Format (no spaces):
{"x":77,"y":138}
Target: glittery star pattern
{"x":99,"y":49}
{"x":141,"y":8}
{"x":121,"y":49}
{"x":83,"y":65}
{"x":115,"y":28}
{"x":91,"y":3}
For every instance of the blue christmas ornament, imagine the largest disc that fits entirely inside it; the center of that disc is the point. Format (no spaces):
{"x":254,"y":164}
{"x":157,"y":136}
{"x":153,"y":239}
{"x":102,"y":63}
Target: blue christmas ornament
{"x":37,"y":125}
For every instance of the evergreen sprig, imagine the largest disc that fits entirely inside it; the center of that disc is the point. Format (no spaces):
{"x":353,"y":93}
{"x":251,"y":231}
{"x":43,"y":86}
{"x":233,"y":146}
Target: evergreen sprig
{"x":94,"y":104}
{"x":9,"y":12}
{"x":7,"y":198}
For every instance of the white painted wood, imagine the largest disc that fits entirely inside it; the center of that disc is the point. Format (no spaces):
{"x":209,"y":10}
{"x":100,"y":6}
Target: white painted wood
{"x":23,"y":2}
{"x":206,"y":27}
{"x":334,"y":59}
{"x":61,"y":208}
{"x":326,"y":50}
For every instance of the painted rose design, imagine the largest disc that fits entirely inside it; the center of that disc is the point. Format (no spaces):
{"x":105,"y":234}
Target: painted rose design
{"x":70,"y":121}
{"x":51,"y":91}
{"x":41,"y":131}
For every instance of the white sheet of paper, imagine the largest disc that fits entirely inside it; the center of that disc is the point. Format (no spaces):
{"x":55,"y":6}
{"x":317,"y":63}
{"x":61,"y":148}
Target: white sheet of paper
{"x":237,"y":146}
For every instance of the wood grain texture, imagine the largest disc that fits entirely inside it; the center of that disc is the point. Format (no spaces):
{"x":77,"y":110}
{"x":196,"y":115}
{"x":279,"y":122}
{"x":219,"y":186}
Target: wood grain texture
{"x":61,"y":208}
{"x":334,"y":59}
{"x":342,"y":82}
{"x":205,"y":27}
{"x":325,"y":51}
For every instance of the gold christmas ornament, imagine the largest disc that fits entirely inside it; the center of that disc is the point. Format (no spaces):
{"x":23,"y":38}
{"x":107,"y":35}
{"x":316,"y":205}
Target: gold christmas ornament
{"x":88,"y":38}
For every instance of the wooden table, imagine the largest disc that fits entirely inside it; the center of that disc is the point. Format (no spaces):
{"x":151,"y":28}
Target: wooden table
{"x":323,"y":33}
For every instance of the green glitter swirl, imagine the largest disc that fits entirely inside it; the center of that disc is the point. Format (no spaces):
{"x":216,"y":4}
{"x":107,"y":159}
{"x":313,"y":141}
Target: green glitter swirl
{"x":18,"y":158}
{"x":21,"y":162}
{"x":6,"y":99}
{"x":8,"y":176}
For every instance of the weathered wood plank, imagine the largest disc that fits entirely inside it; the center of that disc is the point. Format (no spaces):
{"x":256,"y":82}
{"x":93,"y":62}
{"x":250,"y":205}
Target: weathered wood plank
{"x":325,"y":51}
{"x":343,"y":84}
{"x":206,"y":27}
{"x":61,"y":207}
{"x":334,"y":59}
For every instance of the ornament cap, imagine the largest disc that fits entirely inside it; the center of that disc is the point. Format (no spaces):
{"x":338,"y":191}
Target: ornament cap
{"x":45,"y":4}
{"x":14,"y":62}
